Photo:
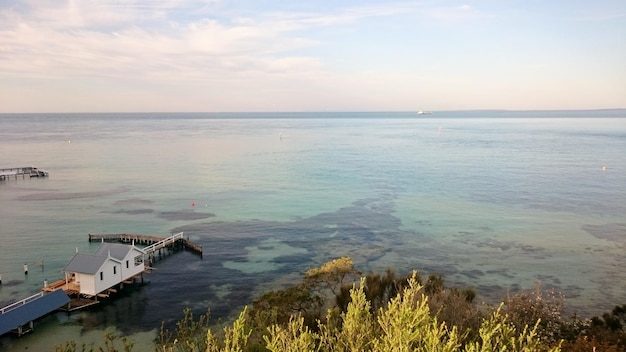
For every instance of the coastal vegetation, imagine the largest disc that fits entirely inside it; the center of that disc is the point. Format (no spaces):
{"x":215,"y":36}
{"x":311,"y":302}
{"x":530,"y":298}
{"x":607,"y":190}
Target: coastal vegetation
{"x":337,"y":308}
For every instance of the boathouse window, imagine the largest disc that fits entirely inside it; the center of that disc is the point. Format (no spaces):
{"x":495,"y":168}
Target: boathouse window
{"x":127,"y":264}
{"x":101,"y":275}
{"x":114,"y":270}
{"x":138,"y":260}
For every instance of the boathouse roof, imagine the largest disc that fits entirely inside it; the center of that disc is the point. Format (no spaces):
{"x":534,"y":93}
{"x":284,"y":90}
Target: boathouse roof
{"x":115,"y":250}
{"x":85,"y":263}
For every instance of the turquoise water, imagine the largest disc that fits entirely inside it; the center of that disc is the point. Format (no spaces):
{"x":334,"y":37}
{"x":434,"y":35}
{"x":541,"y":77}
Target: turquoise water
{"x":493,"y":200}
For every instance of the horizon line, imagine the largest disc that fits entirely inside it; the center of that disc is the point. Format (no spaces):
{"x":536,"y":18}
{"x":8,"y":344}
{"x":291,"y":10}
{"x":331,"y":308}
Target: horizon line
{"x":310,"y":111}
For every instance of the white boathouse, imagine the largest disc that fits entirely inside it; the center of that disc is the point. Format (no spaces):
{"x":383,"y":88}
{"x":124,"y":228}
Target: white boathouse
{"x":112,"y":264}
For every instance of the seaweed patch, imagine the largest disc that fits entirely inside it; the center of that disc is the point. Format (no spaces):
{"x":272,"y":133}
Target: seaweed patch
{"x":615,"y":232}
{"x":133,"y":201}
{"x":184,"y":215}
{"x":132,"y":211}
{"x":69,"y":195}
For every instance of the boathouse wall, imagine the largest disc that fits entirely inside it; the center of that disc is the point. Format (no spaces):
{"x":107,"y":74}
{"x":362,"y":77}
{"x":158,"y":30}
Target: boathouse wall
{"x":86,"y":283}
{"x":109,"y":275}
{"x":132,"y":265}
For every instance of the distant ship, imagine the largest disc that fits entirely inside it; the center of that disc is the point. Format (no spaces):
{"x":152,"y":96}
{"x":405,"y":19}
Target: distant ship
{"x":424,"y":112}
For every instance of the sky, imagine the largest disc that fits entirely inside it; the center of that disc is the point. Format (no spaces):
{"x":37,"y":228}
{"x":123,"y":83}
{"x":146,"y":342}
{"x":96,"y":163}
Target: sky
{"x":323,"y":55}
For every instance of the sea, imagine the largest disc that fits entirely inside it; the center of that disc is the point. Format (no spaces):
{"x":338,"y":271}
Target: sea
{"x":499,"y":201}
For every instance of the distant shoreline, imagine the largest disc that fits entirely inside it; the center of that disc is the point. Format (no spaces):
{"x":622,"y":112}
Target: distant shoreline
{"x":487,"y":113}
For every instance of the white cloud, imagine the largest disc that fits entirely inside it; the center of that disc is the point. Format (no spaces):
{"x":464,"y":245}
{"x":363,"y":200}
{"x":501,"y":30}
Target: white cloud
{"x":455,"y":13}
{"x":101,"y":38}
{"x":599,"y":16}
{"x":214,"y":55}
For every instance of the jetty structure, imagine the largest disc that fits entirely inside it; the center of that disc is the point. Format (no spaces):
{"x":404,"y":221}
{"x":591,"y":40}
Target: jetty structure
{"x":28,"y":171}
{"x":154,"y":243}
{"x":90,"y":276}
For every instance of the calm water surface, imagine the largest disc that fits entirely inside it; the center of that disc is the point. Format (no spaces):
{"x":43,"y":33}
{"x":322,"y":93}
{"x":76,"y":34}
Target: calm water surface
{"x":493,"y":200}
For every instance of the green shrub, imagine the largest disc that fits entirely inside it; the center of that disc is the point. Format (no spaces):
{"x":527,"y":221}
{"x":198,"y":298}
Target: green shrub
{"x":235,"y":338}
{"x":527,"y":307}
{"x":404,"y":325}
{"x":112,"y":343}
{"x":189,"y":335}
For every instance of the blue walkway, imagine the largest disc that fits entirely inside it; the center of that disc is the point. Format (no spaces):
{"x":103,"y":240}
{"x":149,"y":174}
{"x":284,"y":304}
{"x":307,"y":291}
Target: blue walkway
{"x":21,"y":313}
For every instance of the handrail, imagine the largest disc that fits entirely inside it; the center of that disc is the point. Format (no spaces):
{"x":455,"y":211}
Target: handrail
{"x":21,"y":303}
{"x":163,"y":242}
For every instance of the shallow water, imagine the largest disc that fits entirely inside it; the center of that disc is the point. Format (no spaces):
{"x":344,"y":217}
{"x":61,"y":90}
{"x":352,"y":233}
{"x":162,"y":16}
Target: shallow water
{"x":496,"y":201}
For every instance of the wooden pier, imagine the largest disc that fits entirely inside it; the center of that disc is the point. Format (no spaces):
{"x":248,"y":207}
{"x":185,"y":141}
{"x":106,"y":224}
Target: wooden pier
{"x":153,"y":243}
{"x":28,"y":171}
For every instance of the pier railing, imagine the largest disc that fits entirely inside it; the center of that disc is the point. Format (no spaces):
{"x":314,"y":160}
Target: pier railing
{"x":163,"y":243}
{"x":21,"y":303}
